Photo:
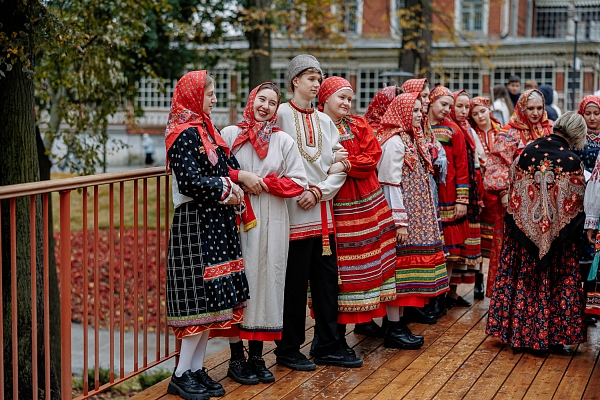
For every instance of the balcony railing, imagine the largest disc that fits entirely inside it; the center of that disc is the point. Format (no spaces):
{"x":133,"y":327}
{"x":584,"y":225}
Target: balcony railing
{"x":97,"y":225}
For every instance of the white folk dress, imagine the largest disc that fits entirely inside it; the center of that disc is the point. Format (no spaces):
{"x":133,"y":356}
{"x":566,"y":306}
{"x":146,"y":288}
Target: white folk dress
{"x":265,"y":247}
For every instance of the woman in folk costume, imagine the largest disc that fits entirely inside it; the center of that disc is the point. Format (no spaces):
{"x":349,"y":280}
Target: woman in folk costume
{"x":454,"y":193}
{"x":466,"y":273}
{"x":487,"y":126}
{"x":403,"y":173}
{"x":528,"y":123}
{"x":537,"y":299}
{"x":312,"y":251}
{"x":206,"y":284}
{"x":365,"y":231}
{"x":591,"y":206}
{"x":262,"y":148}
{"x":590,"y":110}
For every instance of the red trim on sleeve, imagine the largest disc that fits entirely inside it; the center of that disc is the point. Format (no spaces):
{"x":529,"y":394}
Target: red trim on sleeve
{"x":282,"y":187}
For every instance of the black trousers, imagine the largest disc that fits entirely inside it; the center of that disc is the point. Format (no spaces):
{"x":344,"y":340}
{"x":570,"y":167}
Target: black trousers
{"x":307,"y":262}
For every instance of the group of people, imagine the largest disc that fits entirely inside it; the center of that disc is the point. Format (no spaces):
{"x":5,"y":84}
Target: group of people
{"x":364,"y":217}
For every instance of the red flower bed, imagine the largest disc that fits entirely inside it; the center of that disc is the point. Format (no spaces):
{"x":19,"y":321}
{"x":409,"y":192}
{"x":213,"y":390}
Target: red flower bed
{"x":149,"y":266}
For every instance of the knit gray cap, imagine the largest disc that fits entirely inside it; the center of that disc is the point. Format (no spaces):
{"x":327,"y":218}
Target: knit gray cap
{"x":301,"y":63}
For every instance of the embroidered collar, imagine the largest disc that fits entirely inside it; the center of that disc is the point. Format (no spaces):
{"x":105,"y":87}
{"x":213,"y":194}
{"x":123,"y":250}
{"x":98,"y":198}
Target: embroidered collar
{"x":302,"y":110}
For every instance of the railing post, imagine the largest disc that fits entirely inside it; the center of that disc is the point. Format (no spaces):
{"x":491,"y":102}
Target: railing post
{"x":65,"y":294}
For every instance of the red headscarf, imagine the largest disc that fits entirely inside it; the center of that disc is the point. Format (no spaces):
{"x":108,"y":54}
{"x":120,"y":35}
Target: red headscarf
{"x":520,"y":122}
{"x":586,"y":101}
{"x":464,"y":125}
{"x":438,"y":92}
{"x":329,"y":87}
{"x":258,"y":133}
{"x":379,"y":105}
{"x":414,"y":85}
{"x":481,"y":102}
{"x":397,"y":120}
{"x":187,"y":111}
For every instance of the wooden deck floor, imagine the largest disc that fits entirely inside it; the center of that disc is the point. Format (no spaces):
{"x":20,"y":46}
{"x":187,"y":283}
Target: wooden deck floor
{"x":458,"y":361}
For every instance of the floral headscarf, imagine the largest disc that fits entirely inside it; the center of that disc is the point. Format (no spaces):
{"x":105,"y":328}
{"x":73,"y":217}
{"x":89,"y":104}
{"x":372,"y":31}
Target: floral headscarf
{"x":481,"y":102}
{"x":414,"y":85}
{"x":187,"y":111}
{"x":439,"y":92}
{"x":586,"y":101}
{"x":379,"y":105}
{"x":486,"y":138}
{"x":258,"y":133}
{"x":329,"y":87}
{"x":397,"y":120}
{"x":464,"y":125}
{"x":520,"y":122}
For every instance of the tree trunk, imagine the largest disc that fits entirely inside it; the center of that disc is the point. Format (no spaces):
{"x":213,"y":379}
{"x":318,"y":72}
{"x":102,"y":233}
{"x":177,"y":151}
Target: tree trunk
{"x":410,"y":36}
{"x":426,"y":40}
{"x":19,"y":164}
{"x":258,"y":33}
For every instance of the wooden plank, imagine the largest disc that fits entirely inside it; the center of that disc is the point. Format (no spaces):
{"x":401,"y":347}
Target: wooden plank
{"x":577,"y":376}
{"x":520,"y":378}
{"x":466,"y":377}
{"x":548,"y":377}
{"x":378,"y":380}
{"x":155,"y":392}
{"x":439,"y":375}
{"x":421,"y":366}
{"x":592,"y":390}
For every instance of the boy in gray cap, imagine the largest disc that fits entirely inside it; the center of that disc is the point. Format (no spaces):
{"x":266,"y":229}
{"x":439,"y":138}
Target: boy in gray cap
{"x":312,"y":254}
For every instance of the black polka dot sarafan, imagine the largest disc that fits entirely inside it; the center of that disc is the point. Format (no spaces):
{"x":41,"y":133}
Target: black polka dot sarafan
{"x":205,"y":270}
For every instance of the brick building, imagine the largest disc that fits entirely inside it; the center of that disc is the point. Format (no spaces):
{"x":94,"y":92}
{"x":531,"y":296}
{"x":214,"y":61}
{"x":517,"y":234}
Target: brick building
{"x":530,"y":38}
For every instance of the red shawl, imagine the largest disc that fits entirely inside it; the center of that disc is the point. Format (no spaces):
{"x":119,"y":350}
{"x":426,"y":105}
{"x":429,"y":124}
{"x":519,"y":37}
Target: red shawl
{"x":520,"y":122}
{"x":258,"y":133}
{"x":187,"y":111}
{"x":586,"y":101}
{"x":414,"y":85}
{"x":329,"y":87}
{"x":464,"y":125}
{"x":397,"y":120}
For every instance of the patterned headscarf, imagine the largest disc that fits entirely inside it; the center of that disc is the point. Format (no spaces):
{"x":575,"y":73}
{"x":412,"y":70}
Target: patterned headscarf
{"x":520,"y":122}
{"x":438,"y":92}
{"x":481,"y":102}
{"x":414,"y":85}
{"x":331,"y":86}
{"x":258,"y":133}
{"x":187,"y":111}
{"x":397,"y":120}
{"x":586,"y":101}
{"x":464,"y":125}
{"x":379,"y":105}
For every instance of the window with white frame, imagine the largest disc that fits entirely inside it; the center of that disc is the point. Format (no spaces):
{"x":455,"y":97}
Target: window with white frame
{"x":369,"y":83}
{"x":395,"y":25}
{"x":471,"y":16}
{"x":455,"y":79}
{"x":351,"y":15}
{"x":552,"y":22}
{"x":152,"y":96}
{"x":542,"y":75}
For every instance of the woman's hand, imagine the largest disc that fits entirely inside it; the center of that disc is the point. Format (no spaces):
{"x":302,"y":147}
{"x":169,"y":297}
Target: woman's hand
{"x":252,"y":182}
{"x":460,"y":210}
{"x":401,"y":235}
{"x":307,"y":200}
{"x":237,"y":195}
{"x":340,"y":155}
{"x":336,"y":168}
{"x":504,"y":201}
{"x":591,"y":235}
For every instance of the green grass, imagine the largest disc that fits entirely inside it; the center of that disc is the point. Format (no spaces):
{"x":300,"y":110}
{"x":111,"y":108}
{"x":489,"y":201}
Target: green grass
{"x":104,"y":215}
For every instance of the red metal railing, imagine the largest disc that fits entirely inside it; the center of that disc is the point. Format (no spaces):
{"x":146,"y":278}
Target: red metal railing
{"x":118,"y":297}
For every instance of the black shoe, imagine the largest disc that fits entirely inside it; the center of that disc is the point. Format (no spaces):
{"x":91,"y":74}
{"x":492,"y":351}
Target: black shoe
{"x":298,"y":362}
{"x":458,"y":302}
{"x":370,"y":329}
{"x":413,"y":314}
{"x":187,"y":387}
{"x":340,"y":358}
{"x":342,"y":334}
{"x":436,"y":307}
{"x":239,"y":370}
{"x":479,"y":290}
{"x":262,"y":372}
{"x":589,"y":320}
{"x":215,"y":389}
{"x":559,"y":349}
{"x":399,"y":336}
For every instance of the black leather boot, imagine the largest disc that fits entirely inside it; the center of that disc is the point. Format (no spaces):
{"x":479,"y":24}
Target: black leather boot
{"x":479,"y":290}
{"x":370,"y":329}
{"x":215,"y":389}
{"x":414,"y":314}
{"x":239,"y":370}
{"x":342,"y":334}
{"x":398,"y":336}
{"x":436,"y":307}
{"x":257,"y":363}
